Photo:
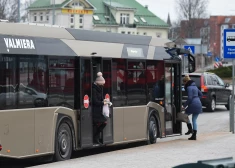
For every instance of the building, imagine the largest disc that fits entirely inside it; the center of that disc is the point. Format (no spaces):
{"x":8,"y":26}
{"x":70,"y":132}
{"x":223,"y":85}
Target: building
{"x":210,"y":31}
{"x":217,"y":26}
{"x":118,"y":16}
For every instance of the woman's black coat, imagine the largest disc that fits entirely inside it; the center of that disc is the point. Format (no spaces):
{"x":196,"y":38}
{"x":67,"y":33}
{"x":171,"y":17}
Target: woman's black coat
{"x":97,"y":104}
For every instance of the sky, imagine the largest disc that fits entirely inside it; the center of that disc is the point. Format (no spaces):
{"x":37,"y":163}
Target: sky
{"x":161,"y":8}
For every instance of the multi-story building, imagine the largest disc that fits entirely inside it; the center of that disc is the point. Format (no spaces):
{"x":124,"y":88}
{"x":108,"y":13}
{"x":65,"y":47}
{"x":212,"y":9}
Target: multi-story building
{"x":210,"y":31}
{"x":118,"y":16}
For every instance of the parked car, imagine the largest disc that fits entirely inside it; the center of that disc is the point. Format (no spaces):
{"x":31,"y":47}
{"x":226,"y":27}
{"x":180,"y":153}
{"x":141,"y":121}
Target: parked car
{"x":214,"y":90}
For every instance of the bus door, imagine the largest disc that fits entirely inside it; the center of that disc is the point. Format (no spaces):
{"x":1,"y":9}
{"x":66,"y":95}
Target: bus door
{"x":107,"y":92}
{"x":172,"y":96}
{"x":86,"y":127}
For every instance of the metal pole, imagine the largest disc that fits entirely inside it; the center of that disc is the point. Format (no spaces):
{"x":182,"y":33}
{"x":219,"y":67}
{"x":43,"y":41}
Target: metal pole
{"x":53,"y":13}
{"x":232,"y":104}
{"x":110,"y":16}
{"x":18,"y":10}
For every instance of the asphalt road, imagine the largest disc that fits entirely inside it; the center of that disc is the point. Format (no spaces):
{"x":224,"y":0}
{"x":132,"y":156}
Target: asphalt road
{"x":214,"y":141}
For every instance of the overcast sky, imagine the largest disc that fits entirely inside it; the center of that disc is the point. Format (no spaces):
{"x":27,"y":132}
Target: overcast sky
{"x":162,"y":7}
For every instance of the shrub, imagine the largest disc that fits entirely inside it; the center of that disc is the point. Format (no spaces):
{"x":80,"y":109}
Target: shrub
{"x":223,"y":72}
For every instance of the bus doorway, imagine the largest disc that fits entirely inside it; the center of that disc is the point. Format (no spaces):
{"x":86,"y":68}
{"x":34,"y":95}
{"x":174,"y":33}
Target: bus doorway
{"x":105,"y":66}
{"x":107,"y":92}
{"x":172,"y":97}
{"x":86,"y":129}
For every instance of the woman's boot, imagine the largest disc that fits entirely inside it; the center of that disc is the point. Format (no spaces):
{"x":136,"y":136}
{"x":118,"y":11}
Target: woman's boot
{"x":194,"y":136}
{"x":190,"y":129}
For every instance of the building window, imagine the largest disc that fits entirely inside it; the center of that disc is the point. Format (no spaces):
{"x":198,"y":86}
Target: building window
{"x":96,"y":17}
{"x":72,"y":19}
{"x":159,"y":35}
{"x":35,"y":17}
{"x":47,"y":16}
{"x":75,"y":4}
{"x":124,"y":19}
{"x":72,"y":26}
{"x":137,"y":33}
{"x":145,"y":33}
{"x":123,"y":32}
{"x":107,"y":18}
{"x":41,"y":16}
{"x":136,"y":20}
{"x":81,"y":27}
{"x":129,"y":32}
{"x":81,"y":19}
{"x":143,"y":20}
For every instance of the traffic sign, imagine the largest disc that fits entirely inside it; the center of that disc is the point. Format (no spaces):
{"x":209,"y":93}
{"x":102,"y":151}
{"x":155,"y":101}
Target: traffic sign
{"x":86,"y":101}
{"x":229,"y":43}
{"x":217,"y":59}
{"x":190,"y":48}
{"x":209,"y":53}
{"x":229,"y":53}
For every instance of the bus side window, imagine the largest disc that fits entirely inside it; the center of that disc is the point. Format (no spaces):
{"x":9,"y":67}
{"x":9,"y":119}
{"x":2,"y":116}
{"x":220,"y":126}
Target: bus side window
{"x":156,"y":69}
{"x":136,"y":83}
{"x":118,"y":82}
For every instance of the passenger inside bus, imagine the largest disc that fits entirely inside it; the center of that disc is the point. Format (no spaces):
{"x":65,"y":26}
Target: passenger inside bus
{"x":37,"y":81}
{"x":159,"y":88}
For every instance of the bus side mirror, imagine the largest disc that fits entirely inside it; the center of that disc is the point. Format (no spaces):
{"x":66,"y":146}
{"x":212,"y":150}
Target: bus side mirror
{"x":191,"y":64}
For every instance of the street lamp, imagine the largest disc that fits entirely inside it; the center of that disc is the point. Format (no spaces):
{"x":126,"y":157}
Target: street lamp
{"x":18,"y":10}
{"x":110,"y":15}
{"x":53,"y":15}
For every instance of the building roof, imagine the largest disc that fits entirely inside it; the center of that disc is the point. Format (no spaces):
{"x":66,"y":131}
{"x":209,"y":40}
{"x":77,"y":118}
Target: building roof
{"x":117,"y":5}
{"x":102,"y":10}
{"x":46,"y":4}
{"x":140,"y":12}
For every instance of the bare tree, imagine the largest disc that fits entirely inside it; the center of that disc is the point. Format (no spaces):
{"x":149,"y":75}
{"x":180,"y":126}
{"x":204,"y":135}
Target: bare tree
{"x":174,"y":31}
{"x":13,"y":10}
{"x":9,"y":10}
{"x":3,"y":10}
{"x":191,"y":11}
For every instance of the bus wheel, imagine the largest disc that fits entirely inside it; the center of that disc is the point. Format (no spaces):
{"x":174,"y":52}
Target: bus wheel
{"x":63,"y":143}
{"x":152,"y":130}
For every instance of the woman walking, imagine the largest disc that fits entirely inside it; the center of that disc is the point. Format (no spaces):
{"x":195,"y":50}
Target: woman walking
{"x":194,"y":105}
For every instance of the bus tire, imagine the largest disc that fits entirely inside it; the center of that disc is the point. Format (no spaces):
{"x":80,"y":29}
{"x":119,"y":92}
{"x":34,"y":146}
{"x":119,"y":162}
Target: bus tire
{"x":152,"y":131}
{"x":63,"y":143}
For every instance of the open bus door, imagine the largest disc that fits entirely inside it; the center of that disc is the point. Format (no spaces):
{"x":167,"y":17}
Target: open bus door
{"x":86,"y":128}
{"x":173,"y":93}
{"x":107,"y":92}
{"x":172,"y":96}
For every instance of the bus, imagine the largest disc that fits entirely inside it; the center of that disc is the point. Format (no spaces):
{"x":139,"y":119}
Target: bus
{"x":46,"y":74}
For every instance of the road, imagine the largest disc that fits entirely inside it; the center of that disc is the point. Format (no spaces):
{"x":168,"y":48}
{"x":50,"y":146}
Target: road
{"x":214,"y":141}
